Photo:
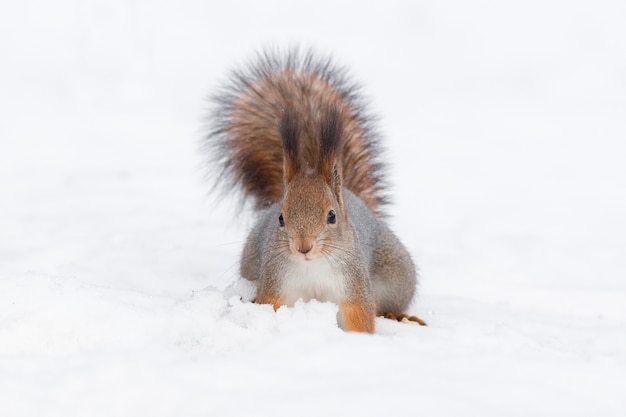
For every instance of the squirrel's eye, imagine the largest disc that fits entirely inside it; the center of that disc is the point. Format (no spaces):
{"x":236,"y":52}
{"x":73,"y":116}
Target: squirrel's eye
{"x":281,"y":221}
{"x":331,"y":219}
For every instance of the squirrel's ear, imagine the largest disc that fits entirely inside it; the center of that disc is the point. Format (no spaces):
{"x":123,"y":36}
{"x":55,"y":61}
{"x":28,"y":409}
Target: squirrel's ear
{"x":336,"y":183}
{"x":330,"y":156}
{"x":289,"y":132}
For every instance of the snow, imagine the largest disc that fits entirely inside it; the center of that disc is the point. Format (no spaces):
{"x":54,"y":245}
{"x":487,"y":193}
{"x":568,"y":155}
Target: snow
{"x":505,"y":129}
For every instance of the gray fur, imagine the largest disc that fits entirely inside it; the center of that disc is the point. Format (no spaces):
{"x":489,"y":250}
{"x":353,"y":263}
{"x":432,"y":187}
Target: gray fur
{"x":376,"y":265}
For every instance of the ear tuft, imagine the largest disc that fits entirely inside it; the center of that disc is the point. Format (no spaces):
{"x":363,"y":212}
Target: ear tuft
{"x":289,"y":134}
{"x":331,"y":147}
{"x":330,"y":138}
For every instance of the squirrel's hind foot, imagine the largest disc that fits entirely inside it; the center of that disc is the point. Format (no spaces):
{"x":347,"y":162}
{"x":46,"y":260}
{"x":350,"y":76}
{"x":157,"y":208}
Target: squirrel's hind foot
{"x":404,"y":318}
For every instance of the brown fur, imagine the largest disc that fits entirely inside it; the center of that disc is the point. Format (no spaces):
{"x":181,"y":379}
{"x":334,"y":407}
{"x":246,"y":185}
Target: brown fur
{"x":266,"y":298}
{"x":358,"y":318}
{"x":249,"y":118}
{"x":254,"y":134}
{"x":402,"y":317}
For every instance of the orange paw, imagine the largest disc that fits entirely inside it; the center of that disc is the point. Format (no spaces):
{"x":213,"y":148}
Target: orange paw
{"x":358,"y":317}
{"x":275,"y":301}
{"x":403,"y":318}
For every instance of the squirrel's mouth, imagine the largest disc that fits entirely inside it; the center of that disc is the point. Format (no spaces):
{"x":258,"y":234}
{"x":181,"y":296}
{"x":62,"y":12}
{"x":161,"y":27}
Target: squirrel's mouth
{"x":306,"y":257}
{"x":305,"y":249}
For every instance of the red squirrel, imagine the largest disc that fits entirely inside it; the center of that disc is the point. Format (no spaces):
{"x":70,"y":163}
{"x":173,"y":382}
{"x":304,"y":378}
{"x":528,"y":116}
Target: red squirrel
{"x":291,"y":132}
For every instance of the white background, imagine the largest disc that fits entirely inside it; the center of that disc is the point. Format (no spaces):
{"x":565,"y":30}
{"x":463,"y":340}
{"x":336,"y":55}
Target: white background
{"x":504,"y":125}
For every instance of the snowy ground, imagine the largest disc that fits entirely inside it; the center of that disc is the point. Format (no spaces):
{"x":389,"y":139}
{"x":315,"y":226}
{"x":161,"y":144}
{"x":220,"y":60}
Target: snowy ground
{"x":505,"y":123}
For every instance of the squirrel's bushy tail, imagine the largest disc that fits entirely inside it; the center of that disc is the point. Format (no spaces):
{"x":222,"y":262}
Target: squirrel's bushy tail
{"x":244,"y":138}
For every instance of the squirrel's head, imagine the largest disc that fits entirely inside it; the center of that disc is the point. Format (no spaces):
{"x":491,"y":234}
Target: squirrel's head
{"x":313,"y":215}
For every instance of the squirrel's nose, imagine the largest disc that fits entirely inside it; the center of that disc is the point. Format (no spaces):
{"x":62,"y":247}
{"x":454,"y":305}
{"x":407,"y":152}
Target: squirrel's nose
{"x":304,"y":244}
{"x":304,"y":249}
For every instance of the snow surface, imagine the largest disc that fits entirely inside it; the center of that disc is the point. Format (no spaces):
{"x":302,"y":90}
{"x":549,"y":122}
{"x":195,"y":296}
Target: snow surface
{"x":506,"y":129}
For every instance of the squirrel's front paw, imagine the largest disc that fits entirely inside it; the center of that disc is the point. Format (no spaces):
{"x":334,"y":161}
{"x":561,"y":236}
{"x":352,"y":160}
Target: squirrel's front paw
{"x":357,"y":317}
{"x":264,"y":298}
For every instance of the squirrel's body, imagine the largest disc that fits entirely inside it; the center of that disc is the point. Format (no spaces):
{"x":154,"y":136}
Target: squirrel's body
{"x":376,"y":248}
{"x":292,"y":132}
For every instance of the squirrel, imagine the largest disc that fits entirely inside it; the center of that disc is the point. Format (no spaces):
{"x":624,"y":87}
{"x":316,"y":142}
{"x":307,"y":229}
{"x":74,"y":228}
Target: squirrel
{"x":291,"y":131}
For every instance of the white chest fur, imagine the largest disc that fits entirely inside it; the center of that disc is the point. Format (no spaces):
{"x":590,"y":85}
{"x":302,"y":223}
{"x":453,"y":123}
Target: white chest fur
{"x":317,"y":279}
